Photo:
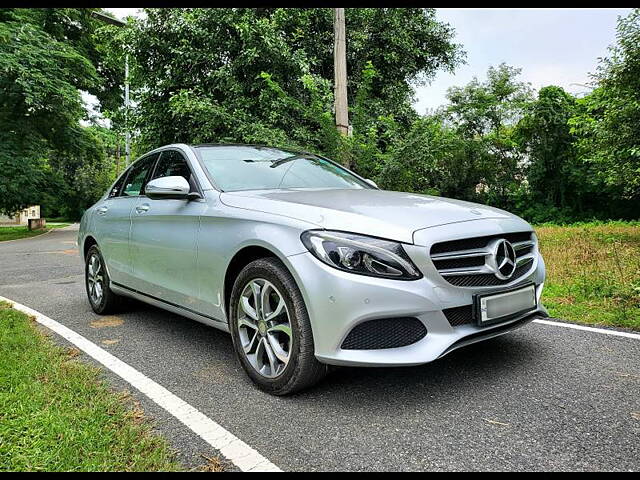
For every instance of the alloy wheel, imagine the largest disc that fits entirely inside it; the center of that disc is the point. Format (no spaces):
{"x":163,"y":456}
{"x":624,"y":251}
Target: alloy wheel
{"x":95,"y":279}
{"x":264,"y":328}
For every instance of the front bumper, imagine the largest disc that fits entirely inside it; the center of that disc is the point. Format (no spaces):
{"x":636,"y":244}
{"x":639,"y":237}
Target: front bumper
{"x":338,"y":301}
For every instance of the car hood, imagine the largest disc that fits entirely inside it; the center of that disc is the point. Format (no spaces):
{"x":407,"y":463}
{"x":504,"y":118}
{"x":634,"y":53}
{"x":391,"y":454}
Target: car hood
{"x":382,"y":213}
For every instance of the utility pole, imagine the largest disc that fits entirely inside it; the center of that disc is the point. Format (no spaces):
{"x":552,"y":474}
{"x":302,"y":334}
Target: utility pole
{"x":127,"y":135}
{"x":340,"y":72}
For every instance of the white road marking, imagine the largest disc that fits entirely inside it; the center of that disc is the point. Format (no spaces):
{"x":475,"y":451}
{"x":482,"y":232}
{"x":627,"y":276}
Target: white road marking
{"x":230,"y":446}
{"x":615,"y":333}
{"x":242,"y":455}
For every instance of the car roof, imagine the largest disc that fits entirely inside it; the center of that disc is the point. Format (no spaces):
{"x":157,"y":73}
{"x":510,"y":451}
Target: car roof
{"x":256,"y":145}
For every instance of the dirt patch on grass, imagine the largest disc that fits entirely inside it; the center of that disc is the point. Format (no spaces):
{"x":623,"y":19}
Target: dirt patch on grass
{"x":73,"y":352}
{"x":213,"y":464}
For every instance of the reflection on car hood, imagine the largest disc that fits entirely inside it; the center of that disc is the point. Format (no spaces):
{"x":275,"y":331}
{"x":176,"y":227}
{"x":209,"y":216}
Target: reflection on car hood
{"x":393,"y":215}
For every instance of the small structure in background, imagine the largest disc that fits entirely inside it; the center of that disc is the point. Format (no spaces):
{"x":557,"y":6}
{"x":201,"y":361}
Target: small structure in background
{"x":37,"y":223}
{"x":22,"y":217}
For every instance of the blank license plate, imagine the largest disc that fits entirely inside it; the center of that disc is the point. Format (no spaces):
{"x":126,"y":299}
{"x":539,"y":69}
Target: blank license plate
{"x":501,"y":306}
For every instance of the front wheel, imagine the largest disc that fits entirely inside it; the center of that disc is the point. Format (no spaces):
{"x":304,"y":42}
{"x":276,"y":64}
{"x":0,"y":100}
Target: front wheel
{"x":271,"y":330}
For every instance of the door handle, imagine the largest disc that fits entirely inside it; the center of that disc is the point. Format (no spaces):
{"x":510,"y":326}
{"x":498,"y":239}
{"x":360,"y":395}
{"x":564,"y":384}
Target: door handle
{"x":142,"y":208}
{"x":102,"y":210}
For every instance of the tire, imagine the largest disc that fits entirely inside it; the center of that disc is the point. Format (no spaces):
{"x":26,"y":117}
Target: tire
{"x":272,"y":280}
{"x":106,"y":302}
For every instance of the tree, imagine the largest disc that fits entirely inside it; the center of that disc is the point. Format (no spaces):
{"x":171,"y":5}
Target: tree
{"x":485,"y":114}
{"x":209,"y":75}
{"x":431,"y":158}
{"x":609,"y":120}
{"x":544,"y":134}
{"x":47,"y":56}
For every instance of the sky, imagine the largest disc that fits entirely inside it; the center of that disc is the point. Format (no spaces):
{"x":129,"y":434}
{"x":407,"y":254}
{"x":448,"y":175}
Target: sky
{"x":552,"y":46}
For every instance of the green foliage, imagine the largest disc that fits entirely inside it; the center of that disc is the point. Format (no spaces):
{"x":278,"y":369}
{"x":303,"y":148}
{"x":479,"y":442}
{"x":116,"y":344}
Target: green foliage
{"x":83,"y":172}
{"x":484,"y":114}
{"x":47,"y":56}
{"x":483,"y":108}
{"x":544,"y":134}
{"x":613,"y":118}
{"x":24,"y":170}
{"x":430,"y":159}
{"x":265,"y":75}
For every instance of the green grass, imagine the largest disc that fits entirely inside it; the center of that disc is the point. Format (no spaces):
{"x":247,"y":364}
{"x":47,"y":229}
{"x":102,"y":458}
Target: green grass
{"x":57,"y":415}
{"x":593,"y":272}
{"x":61,"y":220}
{"x":14,"y":233}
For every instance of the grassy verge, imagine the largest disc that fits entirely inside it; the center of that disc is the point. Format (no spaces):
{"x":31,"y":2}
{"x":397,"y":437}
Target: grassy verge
{"x":14,"y":233}
{"x":593,"y":272}
{"x":61,"y":220}
{"x":56,"y":414}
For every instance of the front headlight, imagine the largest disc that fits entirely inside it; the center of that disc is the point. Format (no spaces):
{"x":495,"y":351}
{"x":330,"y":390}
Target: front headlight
{"x":360,"y":254}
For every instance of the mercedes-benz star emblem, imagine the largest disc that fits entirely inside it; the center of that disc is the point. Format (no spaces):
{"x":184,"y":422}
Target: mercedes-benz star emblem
{"x":505,"y":258}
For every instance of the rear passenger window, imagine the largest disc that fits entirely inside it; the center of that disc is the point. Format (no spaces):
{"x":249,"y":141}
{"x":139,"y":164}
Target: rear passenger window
{"x":117,"y":188}
{"x":137,"y":177}
{"x":173,"y":164}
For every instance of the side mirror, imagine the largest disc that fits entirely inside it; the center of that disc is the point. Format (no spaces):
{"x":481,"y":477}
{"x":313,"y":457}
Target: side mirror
{"x":167,"y":187}
{"x":371,"y":182}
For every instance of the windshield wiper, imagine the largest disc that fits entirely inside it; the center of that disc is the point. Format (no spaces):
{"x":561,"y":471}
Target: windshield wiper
{"x":281,"y":161}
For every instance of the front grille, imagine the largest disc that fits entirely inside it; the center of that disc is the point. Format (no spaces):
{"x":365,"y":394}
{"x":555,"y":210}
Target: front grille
{"x":525,"y":250}
{"x":385,"y":333}
{"x":487,"y":279}
{"x":459,"y":315}
{"x":459,"y":262}
{"x":477,"y":242}
{"x":465,"y":262}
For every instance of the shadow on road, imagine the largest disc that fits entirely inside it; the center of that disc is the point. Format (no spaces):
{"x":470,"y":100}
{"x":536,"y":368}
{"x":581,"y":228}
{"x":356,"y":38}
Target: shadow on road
{"x":461,"y":374}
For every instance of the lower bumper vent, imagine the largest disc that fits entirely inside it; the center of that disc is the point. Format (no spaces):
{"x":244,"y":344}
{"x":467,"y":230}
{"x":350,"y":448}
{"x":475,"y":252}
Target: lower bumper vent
{"x":459,"y":315}
{"x":385,"y":333}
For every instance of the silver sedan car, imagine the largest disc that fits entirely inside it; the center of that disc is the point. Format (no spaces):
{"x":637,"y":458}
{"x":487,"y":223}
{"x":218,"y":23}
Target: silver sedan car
{"x":305,"y":263}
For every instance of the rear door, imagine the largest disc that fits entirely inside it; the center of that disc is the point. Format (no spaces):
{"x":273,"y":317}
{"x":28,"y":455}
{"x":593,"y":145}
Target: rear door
{"x":113,"y":219}
{"x":164,"y":238}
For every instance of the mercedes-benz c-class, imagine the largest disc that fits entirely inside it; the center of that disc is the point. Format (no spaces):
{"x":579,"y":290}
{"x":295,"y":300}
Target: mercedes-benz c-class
{"x":305,"y":263}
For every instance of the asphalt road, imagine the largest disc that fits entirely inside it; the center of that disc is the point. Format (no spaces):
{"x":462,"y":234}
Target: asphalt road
{"x":541,"y":398}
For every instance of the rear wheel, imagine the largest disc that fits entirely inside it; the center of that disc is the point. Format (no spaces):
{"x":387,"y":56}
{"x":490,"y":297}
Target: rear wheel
{"x":101,"y":298}
{"x":271,"y":330}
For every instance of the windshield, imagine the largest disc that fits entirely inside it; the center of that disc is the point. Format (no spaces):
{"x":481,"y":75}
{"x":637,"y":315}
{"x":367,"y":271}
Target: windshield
{"x":247,"y":167}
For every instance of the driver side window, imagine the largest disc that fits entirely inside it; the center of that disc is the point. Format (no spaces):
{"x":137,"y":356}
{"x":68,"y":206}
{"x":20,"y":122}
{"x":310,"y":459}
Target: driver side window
{"x":173,"y":164}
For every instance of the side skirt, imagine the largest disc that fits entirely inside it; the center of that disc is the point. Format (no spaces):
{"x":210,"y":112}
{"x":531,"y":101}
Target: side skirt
{"x":171,"y":307}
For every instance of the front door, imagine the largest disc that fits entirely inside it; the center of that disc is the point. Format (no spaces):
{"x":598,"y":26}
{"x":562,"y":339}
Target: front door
{"x":113,"y":220}
{"x":163,"y":239}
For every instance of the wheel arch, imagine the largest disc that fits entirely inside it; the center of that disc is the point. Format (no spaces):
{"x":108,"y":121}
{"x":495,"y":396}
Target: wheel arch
{"x":88,"y":242}
{"x":241,"y":259}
